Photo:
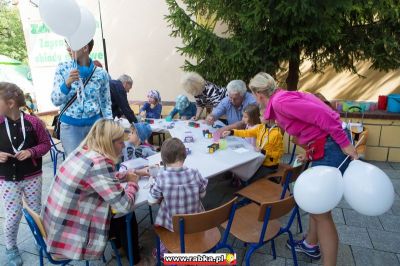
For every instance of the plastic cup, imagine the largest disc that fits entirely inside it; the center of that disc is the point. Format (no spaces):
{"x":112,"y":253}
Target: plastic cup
{"x":223,"y":144}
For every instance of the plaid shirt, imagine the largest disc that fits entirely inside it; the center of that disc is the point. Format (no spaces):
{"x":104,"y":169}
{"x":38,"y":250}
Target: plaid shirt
{"x":181,"y":190}
{"x":76,"y":215}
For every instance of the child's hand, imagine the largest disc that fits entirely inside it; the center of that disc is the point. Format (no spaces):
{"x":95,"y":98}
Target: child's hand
{"x":23,"y":155}
{"x":210,"y":120}
{"x":226,"y":133}
{"x":351,"y":151}
{"x":4,"y":156}
{"x":131,"y":177}
{"x":73,"y":76}
{"x":301,"y":158}
{"x":142,"y":114}
{"x":194,"y":118}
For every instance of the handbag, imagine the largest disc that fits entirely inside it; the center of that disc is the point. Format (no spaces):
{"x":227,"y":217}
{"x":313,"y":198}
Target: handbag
{"x":56,"y":120}
{"x":316,"y":149}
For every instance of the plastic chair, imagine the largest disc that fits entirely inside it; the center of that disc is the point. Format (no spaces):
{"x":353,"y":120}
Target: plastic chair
{"x":54,"y":153}
{"x":263,"y":190}
{"x":35,"y":224}
{"x":197,"y":233}
{"x":257,"y":225}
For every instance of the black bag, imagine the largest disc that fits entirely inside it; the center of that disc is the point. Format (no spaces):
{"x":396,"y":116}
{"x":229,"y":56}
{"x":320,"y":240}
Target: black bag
{"x":56,"y":120}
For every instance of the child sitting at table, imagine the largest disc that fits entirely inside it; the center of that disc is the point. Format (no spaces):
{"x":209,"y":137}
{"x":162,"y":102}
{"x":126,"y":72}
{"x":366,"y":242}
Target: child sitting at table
{"x":134,"y":148}
{"x":269,"y":141}
{"x":177,"y":187}
{"x":184,"y":108}
{"x":152,"y":108}
{"x":251,"y":117}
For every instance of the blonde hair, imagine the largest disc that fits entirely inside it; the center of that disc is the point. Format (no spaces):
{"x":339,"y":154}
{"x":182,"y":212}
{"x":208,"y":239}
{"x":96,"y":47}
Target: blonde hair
{"x":101,"y":138}
{"x":263,"y":83}
{"x":193,"y":83}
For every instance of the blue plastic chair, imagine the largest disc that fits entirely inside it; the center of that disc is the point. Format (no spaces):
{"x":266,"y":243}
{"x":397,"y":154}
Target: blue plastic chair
{"x":257,"y":225}
{"x":197,"y":233}
{"x":35,"y":224}
{"x":54,"y":153}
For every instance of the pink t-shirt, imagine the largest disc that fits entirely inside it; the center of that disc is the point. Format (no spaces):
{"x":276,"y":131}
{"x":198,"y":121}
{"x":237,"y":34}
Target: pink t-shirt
{"x":305,"y":116}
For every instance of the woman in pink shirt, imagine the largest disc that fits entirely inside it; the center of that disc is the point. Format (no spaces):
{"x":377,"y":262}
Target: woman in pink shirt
{"x":319,"y":129}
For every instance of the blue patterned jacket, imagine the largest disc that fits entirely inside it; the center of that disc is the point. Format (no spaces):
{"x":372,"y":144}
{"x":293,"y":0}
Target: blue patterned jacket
{"x":93,"y":103}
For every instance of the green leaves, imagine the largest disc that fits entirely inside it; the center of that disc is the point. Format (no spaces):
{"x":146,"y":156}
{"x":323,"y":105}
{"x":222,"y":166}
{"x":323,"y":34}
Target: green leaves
{"x":263,"y":35}
{"x":12,"y":41}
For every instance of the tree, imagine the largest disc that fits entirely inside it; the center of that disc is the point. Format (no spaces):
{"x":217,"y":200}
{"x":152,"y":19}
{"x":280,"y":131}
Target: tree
{"x":272,"y":35}
{"x":12,"y":41}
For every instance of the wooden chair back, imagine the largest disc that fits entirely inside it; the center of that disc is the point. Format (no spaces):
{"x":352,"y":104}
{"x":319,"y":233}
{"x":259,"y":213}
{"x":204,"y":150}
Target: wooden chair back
{"x":278,"y":208}
{"x":203,"y":221}
{"x":36,"y":218}
{"x":293,"y":173}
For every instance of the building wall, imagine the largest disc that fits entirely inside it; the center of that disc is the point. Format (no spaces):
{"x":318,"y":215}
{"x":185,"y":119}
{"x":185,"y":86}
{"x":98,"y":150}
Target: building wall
{"x":383,"y":142}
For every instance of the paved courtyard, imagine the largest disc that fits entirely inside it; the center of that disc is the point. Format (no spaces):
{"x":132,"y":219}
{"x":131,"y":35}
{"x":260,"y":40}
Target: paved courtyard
{"x":363,"y":240}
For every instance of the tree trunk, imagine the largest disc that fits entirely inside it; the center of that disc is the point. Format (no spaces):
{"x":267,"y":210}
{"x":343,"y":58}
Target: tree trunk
{"x":292,"y":79}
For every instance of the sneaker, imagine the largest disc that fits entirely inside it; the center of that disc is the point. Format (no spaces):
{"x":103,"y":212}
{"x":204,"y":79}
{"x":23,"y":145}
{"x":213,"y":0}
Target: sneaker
{"x":13,"y":257}
{"x":314,"y":252}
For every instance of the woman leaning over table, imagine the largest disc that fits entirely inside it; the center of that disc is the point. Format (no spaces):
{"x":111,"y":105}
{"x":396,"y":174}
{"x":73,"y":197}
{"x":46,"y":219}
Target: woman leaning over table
{"x":77,"y":215}
{"x":319,"y":128}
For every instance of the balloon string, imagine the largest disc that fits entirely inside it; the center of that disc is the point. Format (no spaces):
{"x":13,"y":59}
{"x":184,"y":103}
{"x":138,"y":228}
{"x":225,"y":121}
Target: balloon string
{"x":358,"y":143}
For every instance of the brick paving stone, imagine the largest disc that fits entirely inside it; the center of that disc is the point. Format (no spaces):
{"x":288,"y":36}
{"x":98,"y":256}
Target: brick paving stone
{"x":382,"y":165}
{"x":353,"y":218}
{"x":390,"y":222}
{"x":352,"y":235}
{"x":385,"y":241}
{"x":345,"y":256}
{"x":370,"y":257}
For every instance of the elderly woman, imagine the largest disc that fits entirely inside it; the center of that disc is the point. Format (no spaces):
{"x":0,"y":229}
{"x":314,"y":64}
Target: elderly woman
{"x":232,"y":106}
{"x":317,"y":127}
{"x":77,"y":214}
{"x":206,"y":93}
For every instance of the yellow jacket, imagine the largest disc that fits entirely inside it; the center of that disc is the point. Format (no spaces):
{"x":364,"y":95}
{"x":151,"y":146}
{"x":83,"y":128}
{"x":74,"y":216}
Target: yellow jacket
{"x":269,"y":140}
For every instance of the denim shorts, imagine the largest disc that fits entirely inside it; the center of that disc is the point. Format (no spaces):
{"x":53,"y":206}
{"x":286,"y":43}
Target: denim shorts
{"x":333,"y":156}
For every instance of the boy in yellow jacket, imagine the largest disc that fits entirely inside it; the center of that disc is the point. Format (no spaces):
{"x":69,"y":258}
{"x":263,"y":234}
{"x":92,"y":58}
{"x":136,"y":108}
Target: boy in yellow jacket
{"x":269,"y":141}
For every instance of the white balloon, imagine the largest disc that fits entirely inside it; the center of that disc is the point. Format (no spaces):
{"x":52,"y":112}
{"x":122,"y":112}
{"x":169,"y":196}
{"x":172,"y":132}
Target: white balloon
{"x":61,"y":16}
{"x":319,"y":189}
{"x":85,"y":31}
{"x":367,"y":189}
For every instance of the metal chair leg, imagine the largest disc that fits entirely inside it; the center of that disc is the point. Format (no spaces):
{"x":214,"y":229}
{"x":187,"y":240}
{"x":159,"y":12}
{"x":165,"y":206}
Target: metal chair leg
{"x":248,"y":255}
{"x":117,"y":255}
{"x":291,"y":242}
{"x":158,"y":251}
{"x":273,"y":249}
{"x":128,"y":219}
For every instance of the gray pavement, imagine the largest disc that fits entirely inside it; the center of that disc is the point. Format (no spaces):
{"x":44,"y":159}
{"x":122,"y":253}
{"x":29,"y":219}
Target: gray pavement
{"x":363,"y":240}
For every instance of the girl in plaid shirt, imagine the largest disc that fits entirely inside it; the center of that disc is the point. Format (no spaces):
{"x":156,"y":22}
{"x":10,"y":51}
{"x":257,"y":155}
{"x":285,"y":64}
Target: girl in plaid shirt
{"x":77,"y":211}
{"x":178,"y":188}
